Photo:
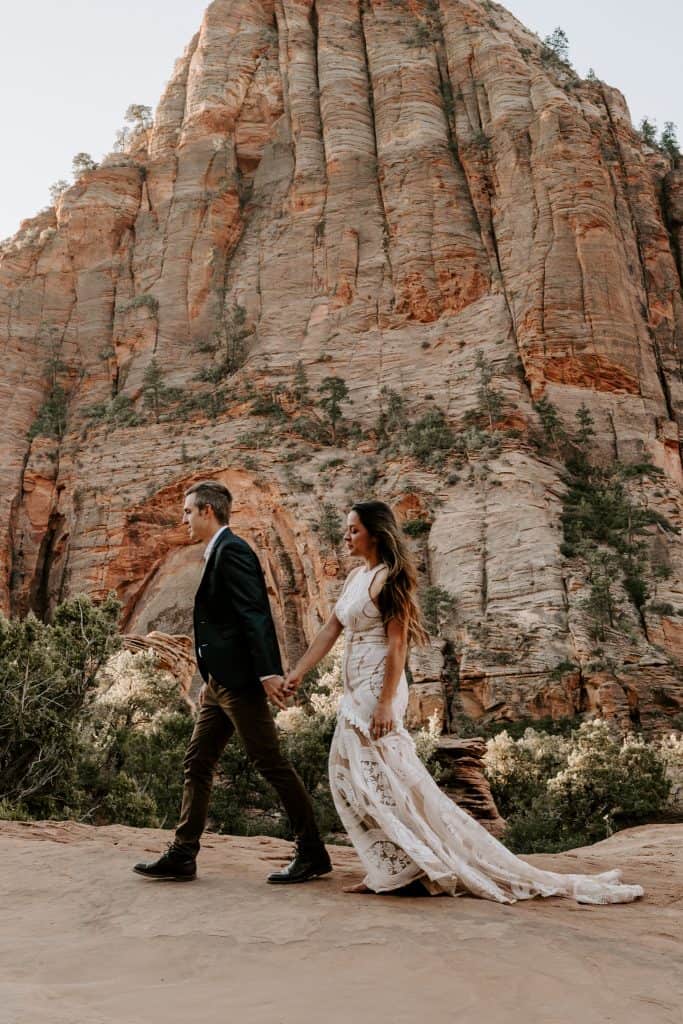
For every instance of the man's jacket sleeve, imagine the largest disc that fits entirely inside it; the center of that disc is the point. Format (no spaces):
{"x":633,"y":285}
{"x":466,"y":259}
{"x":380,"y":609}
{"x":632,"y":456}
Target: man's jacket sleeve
{"x":242,"y":577}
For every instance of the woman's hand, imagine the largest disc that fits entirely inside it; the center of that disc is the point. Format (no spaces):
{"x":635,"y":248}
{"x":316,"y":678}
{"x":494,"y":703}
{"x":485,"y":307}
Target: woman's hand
{"x":382,"y":720}
{"x":293,"y":680}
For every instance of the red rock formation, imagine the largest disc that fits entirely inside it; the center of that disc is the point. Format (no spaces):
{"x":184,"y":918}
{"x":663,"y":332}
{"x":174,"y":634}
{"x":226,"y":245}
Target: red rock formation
{"x":174,"y":654}
{"x":465,"y":781}
{"x":388,"y":190}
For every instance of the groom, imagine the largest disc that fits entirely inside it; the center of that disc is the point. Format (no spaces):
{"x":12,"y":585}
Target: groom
{"x":238,"y":658}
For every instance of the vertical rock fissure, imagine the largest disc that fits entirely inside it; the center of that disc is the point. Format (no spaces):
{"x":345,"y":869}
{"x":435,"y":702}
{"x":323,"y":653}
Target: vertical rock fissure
{"x":668,"y":222}
{"x":386,"y":233}
{"x":40,"y":590}
{"x":12,"y":552}
{"x":666,"y":392}
{"x":483,"y":537}
{"x":491,"y":232}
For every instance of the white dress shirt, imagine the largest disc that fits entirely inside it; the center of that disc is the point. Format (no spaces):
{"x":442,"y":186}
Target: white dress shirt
{"x":212,"y":543}
{"x":207,"y":551}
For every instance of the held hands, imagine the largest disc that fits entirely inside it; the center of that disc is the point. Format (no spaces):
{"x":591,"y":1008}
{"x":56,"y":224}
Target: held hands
{"x":293,"y":681}
{"x":382,"y":720}
{"x":276,"y":690}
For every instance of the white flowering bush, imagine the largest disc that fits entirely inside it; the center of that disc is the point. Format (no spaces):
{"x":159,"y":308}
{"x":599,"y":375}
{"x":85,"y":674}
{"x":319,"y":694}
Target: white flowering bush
{"x":130,"y":683}
{"x":560,"y":792}
{"x":427,"y":743}
{"x":517,"y":770}
{"x":671,"y":754}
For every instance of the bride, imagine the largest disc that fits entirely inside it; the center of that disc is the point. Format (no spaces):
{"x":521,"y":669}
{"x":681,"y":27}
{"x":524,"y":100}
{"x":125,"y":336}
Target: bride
{"x":403,"y":827}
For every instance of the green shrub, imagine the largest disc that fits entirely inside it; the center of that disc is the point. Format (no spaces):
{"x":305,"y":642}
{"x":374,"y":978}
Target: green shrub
{"x":156,"y":396}
{"x":669,"y":141}
{"x":47,"y":673}
{"x":82,"y":164}
{"x":51,"y":418}
{"x":330,"y":525}
{"x":417,"y":527}
{"x":333,"y":393}
{"x":268,"y":404}
{"x":145,"y":301}
{"x":559,"y":791}
{"x":438,"y":608}
{"x":430,"y":438}
{"x":300,"y":387}
{"x":661,"y":608}
{"x":556,"y":48}
{"x":119,"y":412}
{"x":393,"y":417}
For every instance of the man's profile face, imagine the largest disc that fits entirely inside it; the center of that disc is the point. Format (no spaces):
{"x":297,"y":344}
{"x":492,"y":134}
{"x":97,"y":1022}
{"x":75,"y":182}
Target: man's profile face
{"x":198,"y":520}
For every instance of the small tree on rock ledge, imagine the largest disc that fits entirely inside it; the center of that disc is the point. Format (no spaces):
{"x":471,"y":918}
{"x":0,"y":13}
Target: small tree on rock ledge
{"x":333,"y":392}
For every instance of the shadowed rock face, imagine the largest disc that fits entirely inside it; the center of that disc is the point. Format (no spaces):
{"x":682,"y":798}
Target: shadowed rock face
{"x":387,"y":192}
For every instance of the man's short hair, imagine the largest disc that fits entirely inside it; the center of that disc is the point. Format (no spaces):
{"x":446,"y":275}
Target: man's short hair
{"x":215,"y":494}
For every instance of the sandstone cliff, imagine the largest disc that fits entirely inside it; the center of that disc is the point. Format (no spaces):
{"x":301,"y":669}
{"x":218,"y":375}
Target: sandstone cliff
{"x":410,"y":195}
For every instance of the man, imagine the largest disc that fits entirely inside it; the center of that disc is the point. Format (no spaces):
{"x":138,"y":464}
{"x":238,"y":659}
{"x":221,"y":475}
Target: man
{"x":239,"y":660}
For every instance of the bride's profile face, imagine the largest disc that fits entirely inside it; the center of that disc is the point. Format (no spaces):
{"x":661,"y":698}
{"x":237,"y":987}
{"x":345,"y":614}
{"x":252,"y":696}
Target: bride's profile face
{"x":359,"y":543}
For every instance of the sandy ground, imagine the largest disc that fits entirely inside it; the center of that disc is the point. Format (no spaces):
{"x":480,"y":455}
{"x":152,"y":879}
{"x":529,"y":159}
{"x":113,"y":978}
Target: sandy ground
{"x":85,"y":941}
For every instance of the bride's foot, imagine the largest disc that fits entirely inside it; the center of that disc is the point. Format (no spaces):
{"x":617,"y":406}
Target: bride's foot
{"x":359,"y":887}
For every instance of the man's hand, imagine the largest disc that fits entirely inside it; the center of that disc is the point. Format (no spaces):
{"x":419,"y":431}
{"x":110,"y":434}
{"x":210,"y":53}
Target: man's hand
{"x":275,"y":690}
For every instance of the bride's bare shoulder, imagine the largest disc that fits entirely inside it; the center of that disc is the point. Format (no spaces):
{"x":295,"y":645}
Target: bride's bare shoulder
{"x":378,"y":580}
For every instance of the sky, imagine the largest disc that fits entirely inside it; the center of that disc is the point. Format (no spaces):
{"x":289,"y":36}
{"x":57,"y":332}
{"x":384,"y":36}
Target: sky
{"x":70,"y":68}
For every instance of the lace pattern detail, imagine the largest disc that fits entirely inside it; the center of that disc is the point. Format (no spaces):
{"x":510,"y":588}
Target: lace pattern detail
{"x":401,"y":824}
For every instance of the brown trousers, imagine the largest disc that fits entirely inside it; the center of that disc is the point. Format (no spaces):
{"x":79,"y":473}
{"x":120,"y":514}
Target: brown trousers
{"x":248,"y":713}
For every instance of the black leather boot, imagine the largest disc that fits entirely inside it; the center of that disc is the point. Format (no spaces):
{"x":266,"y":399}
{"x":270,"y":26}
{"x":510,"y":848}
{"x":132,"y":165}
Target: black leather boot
{"x":310,"y":861}
{"x":173,"y":866}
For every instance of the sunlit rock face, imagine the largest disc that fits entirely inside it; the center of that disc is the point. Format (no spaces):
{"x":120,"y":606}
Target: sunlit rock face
{"x":407,"y":195}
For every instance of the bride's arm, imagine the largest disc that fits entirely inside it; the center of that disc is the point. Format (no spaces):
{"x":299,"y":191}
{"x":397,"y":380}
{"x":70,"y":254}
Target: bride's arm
{"x":397,"y":649}
{"x":321,"y":645}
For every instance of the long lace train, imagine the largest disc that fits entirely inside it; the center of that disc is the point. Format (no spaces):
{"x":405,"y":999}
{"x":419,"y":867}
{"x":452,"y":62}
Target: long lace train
{"x":401,"y":824}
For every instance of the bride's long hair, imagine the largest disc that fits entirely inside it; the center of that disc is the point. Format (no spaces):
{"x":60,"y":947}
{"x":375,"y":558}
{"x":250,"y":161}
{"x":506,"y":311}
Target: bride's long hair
{"x":397,"y":598}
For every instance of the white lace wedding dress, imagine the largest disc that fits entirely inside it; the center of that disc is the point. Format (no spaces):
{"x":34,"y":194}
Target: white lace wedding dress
{"x":401,"y":824}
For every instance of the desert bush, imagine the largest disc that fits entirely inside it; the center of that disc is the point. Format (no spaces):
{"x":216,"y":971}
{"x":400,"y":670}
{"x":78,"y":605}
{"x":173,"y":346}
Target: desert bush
{"x":47,"y":673}
{"x":556,"y":48}
{"x":82,"y":163}
{"x":430,"y":438}
{"x":648,"y":131}
{"x":333,"y":393}
{"x":558,"y":792}
{"x":393,"y":417}
{"x":669,"y":141}
{"x":145,"y":301}
{"x":416,"y":527}
{"x":156,"y":396}
{"x":139,"y":115}
{"x":300,"y":386}
{"x":330,"y":525}
{"x":50,"y":420}
{"x":57,"y":190}
{"x":438,"y":608}
{"x":119,"y":412}
{"x":671,"y":754}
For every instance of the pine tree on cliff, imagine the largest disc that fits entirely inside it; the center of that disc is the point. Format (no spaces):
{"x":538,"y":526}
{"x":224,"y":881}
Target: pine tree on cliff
{"x":333,"y":392}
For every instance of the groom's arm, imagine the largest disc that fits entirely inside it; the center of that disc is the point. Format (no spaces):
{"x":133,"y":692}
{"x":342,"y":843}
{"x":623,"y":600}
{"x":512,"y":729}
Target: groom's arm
{"x":242,"y":577}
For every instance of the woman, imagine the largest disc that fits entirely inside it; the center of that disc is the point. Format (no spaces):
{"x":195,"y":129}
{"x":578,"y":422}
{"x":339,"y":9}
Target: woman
{"x":401,"y":824}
